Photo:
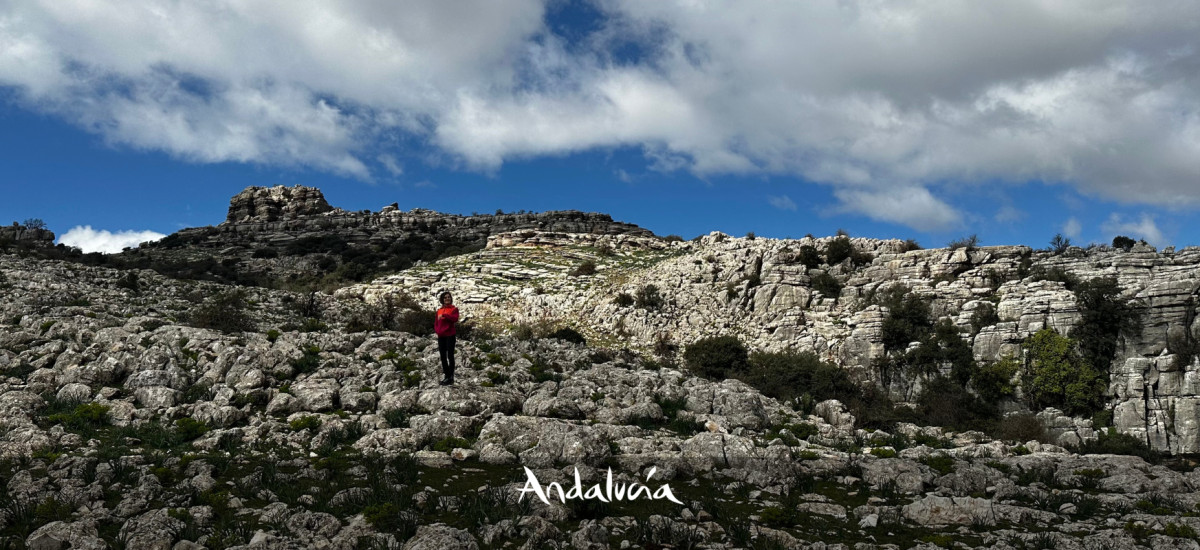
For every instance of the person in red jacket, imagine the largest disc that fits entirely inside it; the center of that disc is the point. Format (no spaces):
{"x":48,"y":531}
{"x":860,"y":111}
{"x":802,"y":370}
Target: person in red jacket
{"x":444,"y":326}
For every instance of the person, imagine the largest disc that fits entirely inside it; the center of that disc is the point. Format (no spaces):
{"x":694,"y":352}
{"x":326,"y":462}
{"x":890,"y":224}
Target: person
{"x":444,"y":326}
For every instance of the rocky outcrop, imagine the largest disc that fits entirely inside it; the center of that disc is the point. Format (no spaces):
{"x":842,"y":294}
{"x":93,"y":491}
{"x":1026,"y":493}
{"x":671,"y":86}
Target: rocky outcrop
{"x":268,"y":204}
{"x":30,"y":236}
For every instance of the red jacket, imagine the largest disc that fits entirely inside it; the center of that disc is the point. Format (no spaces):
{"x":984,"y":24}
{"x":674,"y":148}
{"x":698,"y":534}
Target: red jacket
{"x":444,"y":326}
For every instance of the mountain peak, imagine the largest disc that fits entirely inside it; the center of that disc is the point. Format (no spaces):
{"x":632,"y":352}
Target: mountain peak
{"x":268,"y":204}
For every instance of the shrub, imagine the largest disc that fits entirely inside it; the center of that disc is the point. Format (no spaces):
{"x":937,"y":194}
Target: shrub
{"x":648,"y":297}
{"x":1020,"y":428}
{"x":588,"y":267}
{"x":1111,"y":442}
{"x":808,"y":256}
{"x":993,"y":381}
{"x":309,"y":361}
{"x":716,"y":357}
{"x":1123,"y":242}
{"x":128,"y":282}
{"x":969,"y":242}
{"x":838,"y":250}
{"x":307,"y":422}
{"x":883,"y":452}
{"x":623,"y":299}
{"x":826,"y":284}
{"x":1105,"y":317}
{"x":568,"y":334}
{"x":943,"y":402}
{"x":189,"y":428}
{"x":34,"y":223}
{"x":1057,"y":274}
{"x":418,"y":322}
{"x":908,"y":318}
{"x":790,"y":375}
{"x":983,"y":316}
{"x":83,"y":417}
{"x":1059,"y":244}
{"x":1058,"y":377}
{"x":225,"y":312}
{"x":909,"y":245}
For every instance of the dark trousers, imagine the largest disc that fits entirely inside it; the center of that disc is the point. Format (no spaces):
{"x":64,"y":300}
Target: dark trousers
{"x":446,"y":351}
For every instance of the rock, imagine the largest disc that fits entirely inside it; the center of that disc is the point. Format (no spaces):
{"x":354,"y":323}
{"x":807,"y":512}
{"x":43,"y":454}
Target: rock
{"x":441,"y":537}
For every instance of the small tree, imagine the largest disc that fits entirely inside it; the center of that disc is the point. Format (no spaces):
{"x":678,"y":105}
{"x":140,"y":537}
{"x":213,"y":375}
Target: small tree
{"x":809,"y":257}
{"x":717,"y":357}
{"x":648,"y":297}
{"x":838,"y":250}
{"x":588,"y":267}
{"x":969,"y":242}
{"x":1059,"y":243}
{"x":1056,"y":376}
{"x":1123,"y":242}
{"x":34,"y":223}
{"x":225,"y":312}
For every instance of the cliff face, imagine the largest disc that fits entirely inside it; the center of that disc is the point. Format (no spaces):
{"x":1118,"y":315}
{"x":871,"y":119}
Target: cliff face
{"x":756,"y":289}
{"x":17,"y":233}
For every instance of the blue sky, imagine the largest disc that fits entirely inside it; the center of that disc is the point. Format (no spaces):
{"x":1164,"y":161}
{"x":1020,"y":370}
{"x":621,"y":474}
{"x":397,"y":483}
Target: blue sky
{"x":1012,"y":122}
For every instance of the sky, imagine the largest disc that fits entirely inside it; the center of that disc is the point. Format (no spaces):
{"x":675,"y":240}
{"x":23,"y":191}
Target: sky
{"x":912,"y":119}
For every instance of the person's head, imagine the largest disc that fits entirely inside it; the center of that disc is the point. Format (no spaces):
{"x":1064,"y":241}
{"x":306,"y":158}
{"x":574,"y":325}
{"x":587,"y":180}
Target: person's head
{"x":445,"y":298}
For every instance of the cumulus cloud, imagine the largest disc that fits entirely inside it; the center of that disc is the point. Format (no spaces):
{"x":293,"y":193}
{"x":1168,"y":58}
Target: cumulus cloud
{"x":915,"y":207}
{"x":866,"y":96}
{"x":1072,"y":228}
{"x":1143,"y":228}
{"x":91,"y":240}
{"x":782,"y":202}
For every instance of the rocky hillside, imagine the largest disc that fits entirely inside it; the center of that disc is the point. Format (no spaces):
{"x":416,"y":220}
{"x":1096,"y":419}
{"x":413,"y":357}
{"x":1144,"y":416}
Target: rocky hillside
{"x":761,"y":291}
{"x":124,"y":425}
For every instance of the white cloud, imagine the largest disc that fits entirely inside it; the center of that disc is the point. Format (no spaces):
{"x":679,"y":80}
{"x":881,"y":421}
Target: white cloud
{"x":91,"y":240}
{"x":1072,"y":228}
{"x":913,"y":206}
{"x":390,"y":163}
{"x":1008,"y":213}
{"x":1143,"y":228}
{"x":782,"y":202}
{"x":858,"y":94}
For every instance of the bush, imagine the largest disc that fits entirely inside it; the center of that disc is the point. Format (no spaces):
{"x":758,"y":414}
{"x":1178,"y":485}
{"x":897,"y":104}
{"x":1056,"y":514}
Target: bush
{"x":623,"y":299}
{"x":993,"y":382}
{"x":129,"y":282}
{"x":910,"y":245}
{"x":225,"y":312}
{"x":1105,"y":317}
{"x":189,"y":428}
{"x":1111,"y":442}
{"x":648,"y":297}
{"x":1058,"y":377}
{"x":943,"y":402}
{"x":983,"y":316}
{"x":307,"y":422}
{"x":908,"y":318}
{"x":1059,"y":244}
{"x":790,"y":375}
{"x":839,"y":250}
{"x":809,"y":257}
{"x":1020,"y":428}
{"x":418,"y":322}
{"x":827,"y":285}
{"x":568,"y":334}
{"x":1123,"y":242}
{"x":1057,"y":274}
{"x":718,"y":357}
{"x":588,"y":267}
{"x":969,"y":242}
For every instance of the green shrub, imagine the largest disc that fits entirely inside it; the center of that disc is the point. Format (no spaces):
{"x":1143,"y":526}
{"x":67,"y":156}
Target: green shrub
{"x":307,"y":422}
{"x":1123,"y":242}
{"x":717,"y":357}
{"x":1020,"y":428}
{"x":85,"y":416}
{"x":809,"y":257}
{"x":983,"y":316}
{"x":1056,"y":274}
{"x":623,"y":299}
{"x":1111,"y":442}
{"x":309,"y":361}
{"x":908,"y":317}
{"x":568,"y":334}
{"x":1105,"y":317}
{"x":883,"y":452}
{"x":940,"y":463}
{"x":1058,"y":377}
{"x":648,"y":297}
{"x":993,"y":381}
{"x":189,"y":428}
{"x":418,"y":322}
{"x":273,"y":335}
{"x":943,"y":402}
{"x":588,"y":267}
{"x":790,"y":375}
{"x":1059,"y":244}
{"x":839,"y":250}
{"x":448,"y":444}
{"x":225,"y":312}
{"x":826,"y":284}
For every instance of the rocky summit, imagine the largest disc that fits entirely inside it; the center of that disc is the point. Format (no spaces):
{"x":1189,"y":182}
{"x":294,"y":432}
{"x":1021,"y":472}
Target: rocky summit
{"x":831,"y":392}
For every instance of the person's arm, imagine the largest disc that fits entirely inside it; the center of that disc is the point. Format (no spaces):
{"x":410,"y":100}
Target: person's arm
{"x":452,"y":316}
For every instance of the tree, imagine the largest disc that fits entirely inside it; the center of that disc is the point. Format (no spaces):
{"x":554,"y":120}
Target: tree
{"x":34,"y":223}
{"x":969,"y":242}
{"x":1123,"y":242}
{"x":1105,"y":317}
{"x":838,"y":250}
{"x":1057,"y":376}
{"x":1059,"y":243}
